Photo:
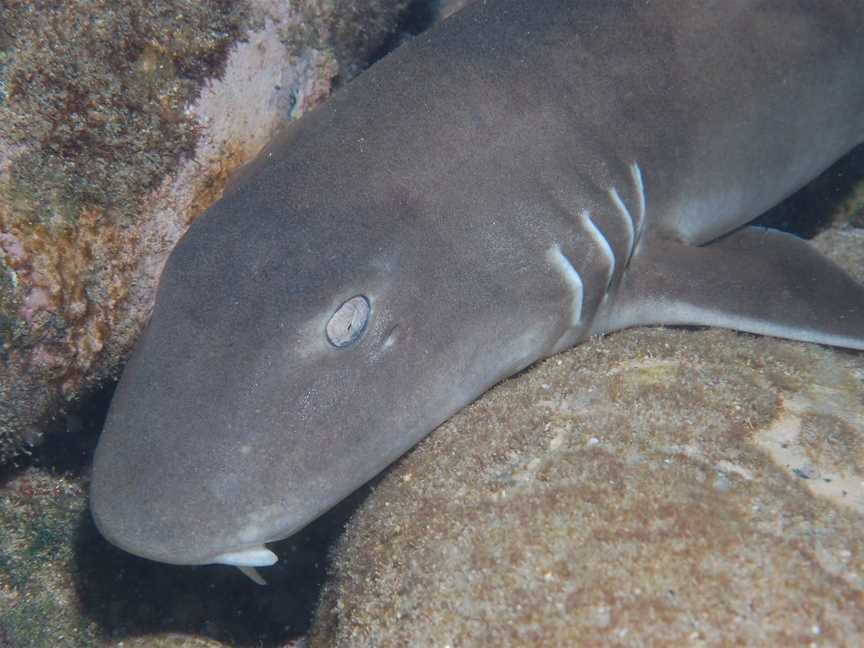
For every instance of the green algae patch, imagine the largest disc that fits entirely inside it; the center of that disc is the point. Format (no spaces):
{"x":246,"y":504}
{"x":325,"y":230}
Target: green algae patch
{"x":39,"y":516}
{"x":95,"y":93}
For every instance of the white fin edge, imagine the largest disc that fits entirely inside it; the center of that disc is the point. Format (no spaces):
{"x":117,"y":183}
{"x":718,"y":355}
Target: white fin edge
{"x":250,"y":557}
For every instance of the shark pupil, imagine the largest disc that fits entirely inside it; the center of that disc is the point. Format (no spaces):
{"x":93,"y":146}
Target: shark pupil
{"x":348,"y":323}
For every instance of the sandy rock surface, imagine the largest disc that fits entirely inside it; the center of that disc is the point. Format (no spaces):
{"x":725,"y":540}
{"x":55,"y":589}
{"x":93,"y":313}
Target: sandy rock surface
{"x":656,"y":486}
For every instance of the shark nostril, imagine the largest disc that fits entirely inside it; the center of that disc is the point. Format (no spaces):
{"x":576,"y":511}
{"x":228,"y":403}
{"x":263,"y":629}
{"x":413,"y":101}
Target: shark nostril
{"x":392,"y":337}
{"x":347,"y":325}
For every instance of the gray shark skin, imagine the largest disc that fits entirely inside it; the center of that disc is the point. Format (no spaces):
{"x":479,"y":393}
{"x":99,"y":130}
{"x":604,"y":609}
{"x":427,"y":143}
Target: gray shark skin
{"x":523,"y":176}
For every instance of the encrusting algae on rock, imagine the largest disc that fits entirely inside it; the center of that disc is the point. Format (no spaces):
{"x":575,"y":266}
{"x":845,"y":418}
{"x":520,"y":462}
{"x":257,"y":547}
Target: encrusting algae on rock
{"x":39,"y":515}
{"x":93,"y":118}
{"x":97,"y":92}
{"x":119,"y":125}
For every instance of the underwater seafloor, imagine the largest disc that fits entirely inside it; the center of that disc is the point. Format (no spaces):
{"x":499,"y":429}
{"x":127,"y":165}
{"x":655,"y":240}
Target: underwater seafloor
{"x":657,"y":485}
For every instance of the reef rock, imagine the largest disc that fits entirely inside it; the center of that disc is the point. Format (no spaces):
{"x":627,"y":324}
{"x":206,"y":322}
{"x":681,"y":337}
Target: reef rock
{"x":655,"y":486}
{"x":119,"y":124}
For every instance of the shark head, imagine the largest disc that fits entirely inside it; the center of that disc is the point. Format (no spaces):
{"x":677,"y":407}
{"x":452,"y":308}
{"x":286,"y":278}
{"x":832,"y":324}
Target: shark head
{"x":294,"y":351}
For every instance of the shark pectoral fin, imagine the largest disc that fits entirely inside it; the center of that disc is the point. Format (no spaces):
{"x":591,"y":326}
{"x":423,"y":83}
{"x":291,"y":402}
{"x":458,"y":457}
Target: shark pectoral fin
{"x":756,"y":280}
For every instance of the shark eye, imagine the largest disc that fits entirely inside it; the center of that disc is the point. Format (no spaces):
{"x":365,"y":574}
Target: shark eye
{"x":348,"y":323}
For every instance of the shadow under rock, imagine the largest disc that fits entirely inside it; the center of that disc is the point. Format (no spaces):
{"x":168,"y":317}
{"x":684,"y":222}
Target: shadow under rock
{"x":69,"y":439}
{"x":130,"y":596}
{"x":810,"y":210}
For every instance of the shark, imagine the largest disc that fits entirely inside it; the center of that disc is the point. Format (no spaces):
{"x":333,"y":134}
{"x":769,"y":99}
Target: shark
{"x":519,"y":178}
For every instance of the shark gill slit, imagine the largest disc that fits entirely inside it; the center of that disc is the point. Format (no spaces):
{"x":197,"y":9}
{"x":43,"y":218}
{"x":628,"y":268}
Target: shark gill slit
{"x":636,"y":173}
{"x":634,"y":224}
{"x":572,"y":279}
{"x":601,"y":241}
{"x":628,"y":219}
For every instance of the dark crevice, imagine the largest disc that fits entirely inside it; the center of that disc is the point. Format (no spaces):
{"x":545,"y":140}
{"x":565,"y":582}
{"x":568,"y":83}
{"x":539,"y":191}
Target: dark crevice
{"x":811,"y":210}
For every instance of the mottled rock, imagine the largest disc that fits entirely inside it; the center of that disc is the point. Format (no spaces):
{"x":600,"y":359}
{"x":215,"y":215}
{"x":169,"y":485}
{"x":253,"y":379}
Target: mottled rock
{"x":845,"y":245}
{"x":356,"y":32}
{"x":39,"y":513}
{"x":119,"y":124}
{"x":654,"y":486}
